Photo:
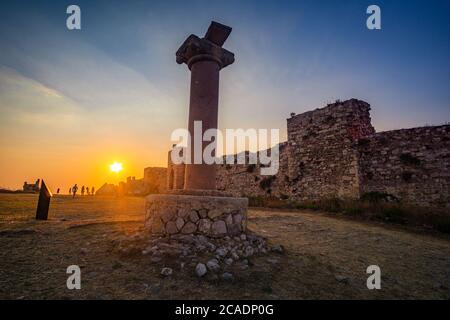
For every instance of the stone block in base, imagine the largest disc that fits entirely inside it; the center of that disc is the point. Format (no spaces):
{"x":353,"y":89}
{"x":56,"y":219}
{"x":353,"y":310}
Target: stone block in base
{"x":212,"y":216}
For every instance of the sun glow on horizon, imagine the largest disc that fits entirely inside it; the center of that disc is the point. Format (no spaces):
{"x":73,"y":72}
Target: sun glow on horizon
{"x":116,"y":167}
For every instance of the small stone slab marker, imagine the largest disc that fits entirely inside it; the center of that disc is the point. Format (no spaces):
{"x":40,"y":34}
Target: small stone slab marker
{"x":44,"y":202}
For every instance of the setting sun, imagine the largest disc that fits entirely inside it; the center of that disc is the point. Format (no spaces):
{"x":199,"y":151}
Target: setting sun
{"x":116,"y":167}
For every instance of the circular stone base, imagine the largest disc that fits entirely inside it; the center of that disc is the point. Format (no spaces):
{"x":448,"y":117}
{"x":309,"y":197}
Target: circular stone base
{"x":200,"y":192}
{"x":211,"y":216}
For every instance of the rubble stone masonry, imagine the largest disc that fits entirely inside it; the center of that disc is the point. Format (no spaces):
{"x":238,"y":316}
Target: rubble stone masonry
{"x":412,"y":164}
{"x":322,"y":157}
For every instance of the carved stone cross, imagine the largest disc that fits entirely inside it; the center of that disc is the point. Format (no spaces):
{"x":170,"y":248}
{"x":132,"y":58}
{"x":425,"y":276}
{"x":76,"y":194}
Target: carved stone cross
{"x":205,"y":57}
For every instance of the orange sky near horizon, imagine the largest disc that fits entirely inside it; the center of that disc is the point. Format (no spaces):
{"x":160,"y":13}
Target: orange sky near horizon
{"x":89,"y":167}
{"x":44,"y":134}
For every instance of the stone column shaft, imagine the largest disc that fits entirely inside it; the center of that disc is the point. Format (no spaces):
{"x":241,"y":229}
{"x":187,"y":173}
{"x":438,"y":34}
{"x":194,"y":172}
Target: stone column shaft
{"x":204,"y":102}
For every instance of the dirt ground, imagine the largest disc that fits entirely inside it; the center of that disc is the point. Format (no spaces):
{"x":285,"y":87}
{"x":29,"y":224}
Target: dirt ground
{"x":325,"y":257}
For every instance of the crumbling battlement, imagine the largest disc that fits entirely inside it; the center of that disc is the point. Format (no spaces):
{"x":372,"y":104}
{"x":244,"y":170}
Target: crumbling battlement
{"x":322,"y":155}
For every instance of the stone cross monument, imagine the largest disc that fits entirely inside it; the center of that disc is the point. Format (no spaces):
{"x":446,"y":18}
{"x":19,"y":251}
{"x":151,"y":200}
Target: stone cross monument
{"x":199,"y":208}
{"x":204,"y":57}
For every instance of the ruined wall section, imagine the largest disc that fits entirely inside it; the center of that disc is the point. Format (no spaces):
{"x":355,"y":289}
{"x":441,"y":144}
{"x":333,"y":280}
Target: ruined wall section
{"x":322,"y":150}
{"x":246,"y":180}
{"x":411,"y":164}
{"x":155,"y":179}
{"x":335,"y":152}
{"x":319,"y":160}
{"x":175,"y":172}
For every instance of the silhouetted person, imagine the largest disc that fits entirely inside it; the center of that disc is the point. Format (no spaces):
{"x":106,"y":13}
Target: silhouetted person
{"x":92,"y":191}
{"x":57,"y":191}
{"x":82,"y":190}
{"x":70,"y":190}
{"x":87,"y":191}
{"x":74,"y":190}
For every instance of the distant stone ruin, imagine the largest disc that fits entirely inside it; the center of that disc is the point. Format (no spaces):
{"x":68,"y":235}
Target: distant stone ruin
{"x":31,"y":187}
{"x":334,"y":152}
{"x":154,"y":181}
{"x":107,"y":189}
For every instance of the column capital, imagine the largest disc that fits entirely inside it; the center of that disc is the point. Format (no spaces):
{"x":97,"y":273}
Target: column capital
{"x":195,"y":49}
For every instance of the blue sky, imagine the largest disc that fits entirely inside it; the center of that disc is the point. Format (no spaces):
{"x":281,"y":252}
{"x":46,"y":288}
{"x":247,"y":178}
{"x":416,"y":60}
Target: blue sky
{"x":115,"y":81}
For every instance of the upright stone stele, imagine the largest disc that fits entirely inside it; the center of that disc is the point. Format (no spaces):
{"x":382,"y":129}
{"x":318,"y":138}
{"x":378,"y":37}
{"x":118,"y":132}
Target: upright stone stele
{"x":199,"y":208}
{"x":44,"y":202}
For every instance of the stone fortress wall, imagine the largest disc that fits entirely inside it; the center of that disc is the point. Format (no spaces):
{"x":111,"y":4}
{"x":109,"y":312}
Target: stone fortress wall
{"x":322,"y":152}
{"x":412,"y":164}
{"x":334,"y":152}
